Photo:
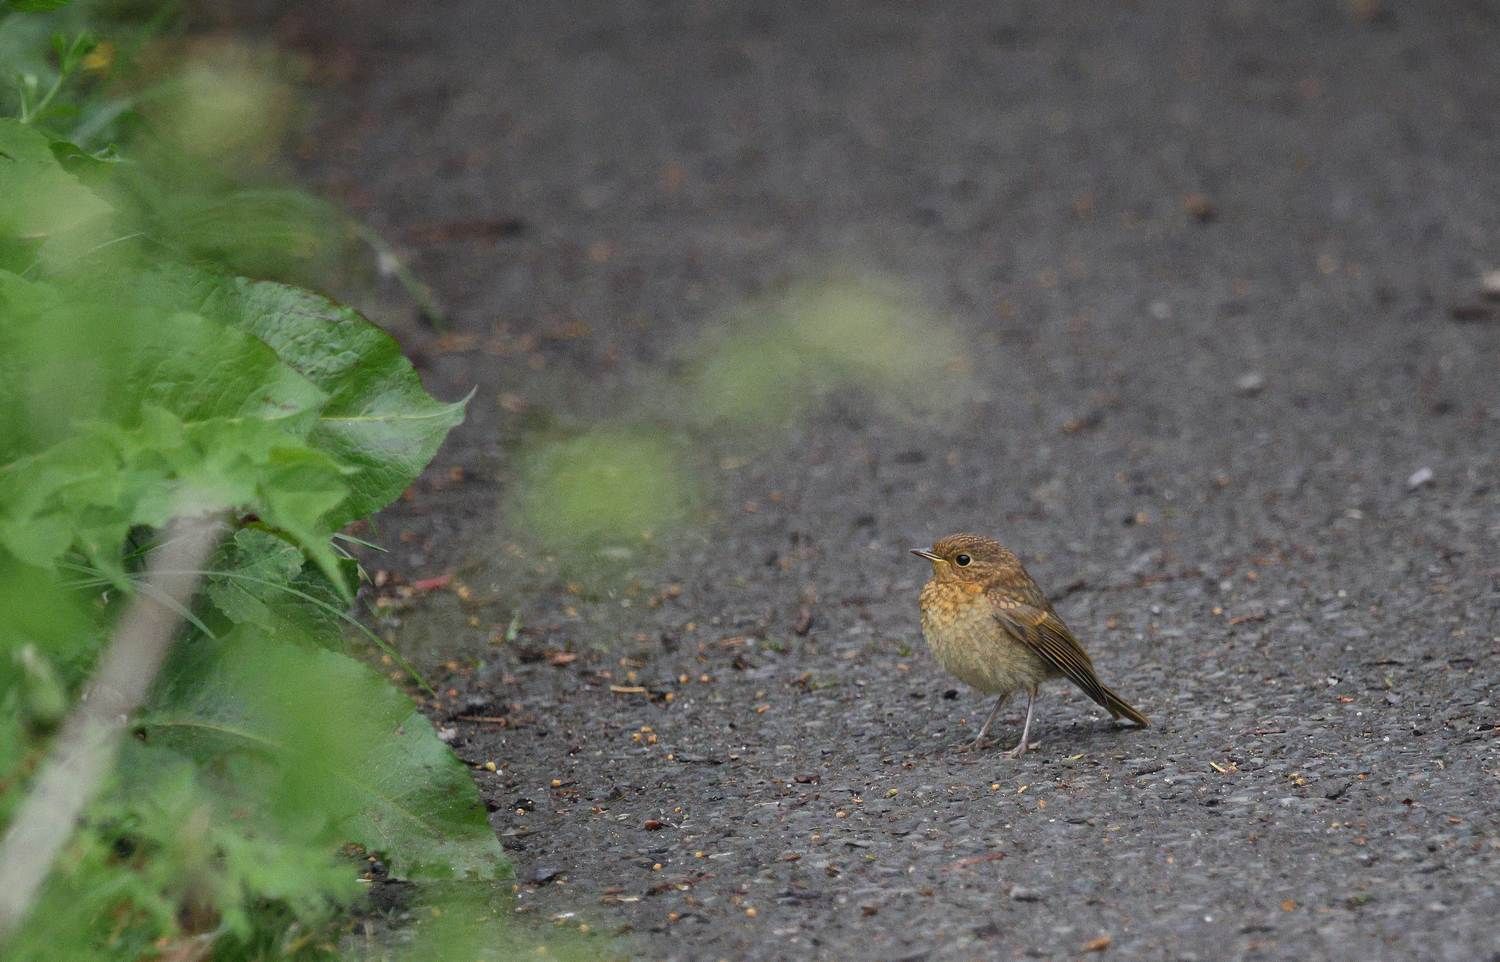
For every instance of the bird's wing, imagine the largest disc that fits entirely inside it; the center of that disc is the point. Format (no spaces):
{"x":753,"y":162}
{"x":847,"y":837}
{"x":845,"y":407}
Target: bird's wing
{"x":1044,"y":633}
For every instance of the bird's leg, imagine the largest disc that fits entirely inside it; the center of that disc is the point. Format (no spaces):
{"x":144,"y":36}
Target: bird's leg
{"x":986,"y":726}
{"x":1020,"y":748}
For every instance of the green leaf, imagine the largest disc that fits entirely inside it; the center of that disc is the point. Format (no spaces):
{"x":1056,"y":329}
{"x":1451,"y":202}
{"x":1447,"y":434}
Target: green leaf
{"x":95,"y":350}
{"x":298,"y":494}
{"x":121,"y":412}
{"x":40,"y":198}
{"x":251,"y":575}
{"x":166,"y":843}
{"x":378,"y":419}
{"x":348,"y":751}
{"x":262,"y":233}
{"x":91,"y":490}
{"x":39,"y":610}
{"x":70,"y":51}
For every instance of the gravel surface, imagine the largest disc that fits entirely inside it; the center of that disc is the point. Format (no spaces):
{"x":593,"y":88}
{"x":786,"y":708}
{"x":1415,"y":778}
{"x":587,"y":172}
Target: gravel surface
{"x":1230,"y":390}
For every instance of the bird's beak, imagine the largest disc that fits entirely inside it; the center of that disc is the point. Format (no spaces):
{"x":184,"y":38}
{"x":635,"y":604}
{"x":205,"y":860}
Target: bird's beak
{"x":924,"y":553}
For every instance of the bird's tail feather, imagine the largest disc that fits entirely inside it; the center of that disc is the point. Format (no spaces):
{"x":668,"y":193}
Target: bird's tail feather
{"x":1119,"y":708}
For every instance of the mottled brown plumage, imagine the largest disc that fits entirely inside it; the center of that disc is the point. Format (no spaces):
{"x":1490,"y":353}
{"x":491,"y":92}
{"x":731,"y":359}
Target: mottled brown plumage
{"x":990,"y":625}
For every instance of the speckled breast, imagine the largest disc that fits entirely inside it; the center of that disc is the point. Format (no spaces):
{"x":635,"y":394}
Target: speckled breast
{"x":967,"y":641}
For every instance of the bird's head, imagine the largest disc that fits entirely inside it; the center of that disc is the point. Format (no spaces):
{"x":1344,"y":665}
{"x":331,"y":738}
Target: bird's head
{"x":968,"y":557}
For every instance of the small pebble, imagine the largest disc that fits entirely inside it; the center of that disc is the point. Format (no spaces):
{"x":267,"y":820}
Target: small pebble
{"x":1418,"y":478}
{"x":1250,"y":383}
{"x":1199,"y":207}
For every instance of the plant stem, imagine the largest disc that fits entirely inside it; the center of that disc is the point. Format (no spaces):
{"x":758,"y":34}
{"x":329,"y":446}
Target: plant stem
{"x":30,"y":114}
{"x":83,"y":752}
{"x":389,"y":264}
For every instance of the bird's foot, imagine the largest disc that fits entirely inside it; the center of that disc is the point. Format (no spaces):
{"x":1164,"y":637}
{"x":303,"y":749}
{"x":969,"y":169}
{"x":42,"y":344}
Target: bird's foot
{"x":973,"y":746}
{"x":1016,"y":752}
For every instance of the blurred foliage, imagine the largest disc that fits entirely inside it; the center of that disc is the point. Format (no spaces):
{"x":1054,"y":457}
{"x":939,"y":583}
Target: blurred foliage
{"x":597,"y":497}
{"x":143,"y":379}
{"x":181,"y":136}
{"x":227,"y":105}
{"x":472,"y":923}
{"x":592,"y":499}
{"x":857,"y":337}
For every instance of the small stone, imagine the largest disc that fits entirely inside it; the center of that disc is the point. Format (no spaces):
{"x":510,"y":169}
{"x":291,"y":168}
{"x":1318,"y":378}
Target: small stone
{"x":1019,"y":893}
{"x":1199,"y":207}
{"x":1489,"y":285}
{"x":1418,"y":478}
{"x":1250,"y":383}
{"x":543,"y":874}
{"x":1098,"y":944}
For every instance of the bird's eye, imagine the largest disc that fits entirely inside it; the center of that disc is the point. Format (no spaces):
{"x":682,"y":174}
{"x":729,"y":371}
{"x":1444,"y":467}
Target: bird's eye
{"x":962,"y":560}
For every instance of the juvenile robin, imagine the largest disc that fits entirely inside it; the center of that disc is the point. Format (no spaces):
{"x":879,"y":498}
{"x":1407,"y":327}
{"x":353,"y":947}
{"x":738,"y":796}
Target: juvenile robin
{"x":989,"y":624}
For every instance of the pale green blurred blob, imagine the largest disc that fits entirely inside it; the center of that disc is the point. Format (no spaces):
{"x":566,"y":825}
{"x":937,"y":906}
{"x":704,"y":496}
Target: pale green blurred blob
{"x":49,"y":210}
{"x":756,"y":378}
{"x":46,"y":214}
{"x":228,"y":106}
{"x":862,"y":336}
{"x":604,"y":491}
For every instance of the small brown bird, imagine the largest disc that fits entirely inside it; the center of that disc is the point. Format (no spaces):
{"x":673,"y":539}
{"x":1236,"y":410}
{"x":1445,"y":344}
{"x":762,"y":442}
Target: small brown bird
{"x":988,"y":623}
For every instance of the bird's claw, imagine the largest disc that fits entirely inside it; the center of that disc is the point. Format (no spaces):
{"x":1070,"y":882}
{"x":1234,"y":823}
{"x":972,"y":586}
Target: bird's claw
{"x":980,"y":741}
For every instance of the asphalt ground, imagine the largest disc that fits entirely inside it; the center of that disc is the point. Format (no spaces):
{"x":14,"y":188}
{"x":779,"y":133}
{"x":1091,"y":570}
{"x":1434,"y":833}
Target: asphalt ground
{"x":1222,"y":371}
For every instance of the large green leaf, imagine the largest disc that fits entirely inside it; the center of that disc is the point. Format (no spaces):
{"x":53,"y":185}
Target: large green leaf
{"x":121,"y":412}
{"x":259,"y":233}
{"x":82,"y":351}
{"x":347,"y":749}
{"x":88,"y":492}
{"x":40,"y":199}
{"x":378,"y":419}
